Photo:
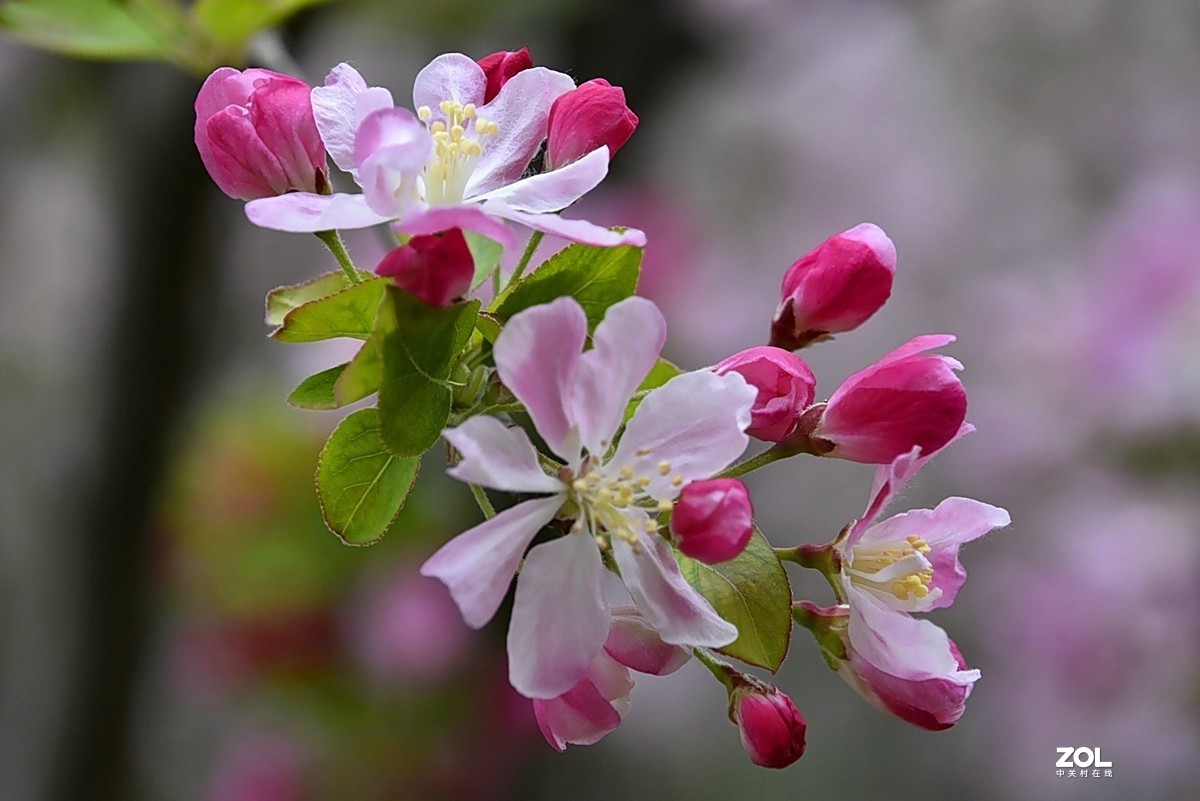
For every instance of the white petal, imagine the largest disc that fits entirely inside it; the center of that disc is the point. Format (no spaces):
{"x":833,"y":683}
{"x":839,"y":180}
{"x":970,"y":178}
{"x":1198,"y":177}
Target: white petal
{"x":305,"y":212}
{"x":560,"y":619}
{"x":478,"y":565}
{"x":498,"y":457}
{"x":338,"y":108}
{"x":554,"y":190}
{"x":695,"y":423}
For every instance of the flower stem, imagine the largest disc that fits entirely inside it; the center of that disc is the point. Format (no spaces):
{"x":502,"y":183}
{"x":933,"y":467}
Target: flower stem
{"x":535,"y":239}
{"x":719,"y":668}
{"x":772,"y":454}
{"x":481,"y":498}
{"x":823,"y":558}
{"x":333,"y":241}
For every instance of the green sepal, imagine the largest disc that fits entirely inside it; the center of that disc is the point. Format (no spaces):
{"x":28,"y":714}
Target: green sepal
{"x":349,"y":312}
{"x":419,"y":344}
{"x":486,"y":252}
{"x":752,"y":592}
{"x":596,"y":277}
{"x":361,"y":487}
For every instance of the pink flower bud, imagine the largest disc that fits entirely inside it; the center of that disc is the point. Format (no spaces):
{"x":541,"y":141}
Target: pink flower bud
{"x":908,"y":398}
{"x":501,"y":66}
{"x":713,"y":519}
{"x":836,"y":287}
{"x":590,"y":115}
{"x":771,"y":726}
{"x":785,"y":387}
{"x":437,"y":268}
{"x":256,"y":134}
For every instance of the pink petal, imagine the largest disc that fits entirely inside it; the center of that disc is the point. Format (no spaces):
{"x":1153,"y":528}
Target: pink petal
{"x":238,"y":160}
{"x":536,"y":355}
{"x":560,"y":618}
{"x":554,"y":190}
{"x":521,"y":109}
{"x":340,"y":106}
{"x":391,"y":149}
{"x":581,"y":231}
{"x":899,"y":644}
{"x":478,"y":565}
{"x":305,"y":212}
{"x":696,"y":423}
{"x":935,"y":704}
{"x":451,"y":76}
{"x":589,"y":710}
{"x":498,"y":457}
{"x":434,"y":220}
{"x":679,"y":614}
{"x":634,"y":643}
{"x":625,"y":346}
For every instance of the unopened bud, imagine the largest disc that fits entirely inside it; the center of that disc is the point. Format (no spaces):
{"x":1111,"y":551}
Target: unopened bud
{"x":713,"y":519}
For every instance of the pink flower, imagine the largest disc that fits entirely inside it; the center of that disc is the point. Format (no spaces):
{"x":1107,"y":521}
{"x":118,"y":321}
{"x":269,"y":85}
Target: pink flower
{"x":598,"y":701}
{"x":437,"y":268}
{"x":590,"y":116}
{"x":907,"y":563}
{"x":836,"y":287}
{"x":499,"y":67}
{"x":771,"y":726}
{"x":713,"y":519}
{"x":256,"y":134}
{"x":785,"y":387}
{"x":458,"y":162}
{"x":687,"y":430}
{"x":906,"y":399}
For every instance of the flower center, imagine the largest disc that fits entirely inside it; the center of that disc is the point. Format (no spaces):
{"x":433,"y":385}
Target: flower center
{"x":897,"y":568}
{"x":457,"y":145}
{"x":616,"y":505}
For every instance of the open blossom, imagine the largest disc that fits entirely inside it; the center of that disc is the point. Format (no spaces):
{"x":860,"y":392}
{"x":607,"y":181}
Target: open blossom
{"x":256,"y":134}
{"x":459,"y":161}
{"x":907,"y":399}
{"x":908,"y":563}
{"x":836,"y":287}
{"x":687,"y":430}
{"x":598,"y":701}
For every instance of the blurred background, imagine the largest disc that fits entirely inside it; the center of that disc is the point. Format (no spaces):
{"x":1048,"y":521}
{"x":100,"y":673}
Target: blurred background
{"x":175,"y":623}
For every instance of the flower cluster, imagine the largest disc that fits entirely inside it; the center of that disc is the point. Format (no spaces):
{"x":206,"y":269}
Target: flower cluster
{"x":619,"y":471}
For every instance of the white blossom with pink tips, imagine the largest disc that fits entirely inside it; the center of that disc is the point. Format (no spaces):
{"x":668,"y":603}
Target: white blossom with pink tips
{"x":457,"y":162}
{"x":909,"y":563}
{"x":688,"y":429}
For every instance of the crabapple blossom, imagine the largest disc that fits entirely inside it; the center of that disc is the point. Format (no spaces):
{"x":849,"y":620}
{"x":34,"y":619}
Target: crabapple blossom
{"x":256,"y":134}
{"x":590,"y":116}
{"x":785,"y":387}
{"x":771,"y":727}
{"x":836,"y":287}
{"x":907,"y":399}
{"x":686,"y":430}
{"x":713,"y":519}
{"x":437,"y":268}
{"x":500,"y":66}
{"x":458,"y":162}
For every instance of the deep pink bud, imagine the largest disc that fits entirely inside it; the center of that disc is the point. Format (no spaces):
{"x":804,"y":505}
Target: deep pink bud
{"x":437,"y":268}
{"x":771,"y":726}
{"x":501,"y":66}
{"x":256,"y":134}
{"x":908,"y":398}
{"x":785,"y":387}
{"x":590,"y":115}
{"x":713,"y":519}
{"x":836,"y":287}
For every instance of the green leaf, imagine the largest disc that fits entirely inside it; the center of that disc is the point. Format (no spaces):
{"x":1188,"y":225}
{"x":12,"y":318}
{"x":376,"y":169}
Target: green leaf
{"x":419,"y":344}
{"x":349,"y":312}
{"x":662,"y":372}
{"x":360,"y":485}
{"x":106,"y":29}
{"x":282,"y":300}
{"x":751,"y":592}
{"x":317,"y":391}
{"x":234,"y":21}
{"x":486,"y":252}
{"x":596,"y":277}
{"x":362,"y":375}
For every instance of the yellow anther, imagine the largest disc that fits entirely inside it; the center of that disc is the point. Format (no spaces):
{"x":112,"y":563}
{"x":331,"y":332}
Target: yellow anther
{"x":677,"y":481}
{"x":665,"y":506}
{"x":472,"y":148}
{"x":664,"y":467}
{"x":643,"y":481}
{"x":579,"y":485}
{"x":642,"y":452}
{"x":627,"y":472}
{"x":651,"y":526}
{"x":603,"y":497}
{"x":424,"y":113}
{"x":446,"y":106}
{"x":468,"y":111}
{"x":438,"y":127}
{"x":456,"y":132}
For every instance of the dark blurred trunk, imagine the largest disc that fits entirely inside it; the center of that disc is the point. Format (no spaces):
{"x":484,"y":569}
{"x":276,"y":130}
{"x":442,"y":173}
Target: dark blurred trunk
{"x":158,"y":191}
